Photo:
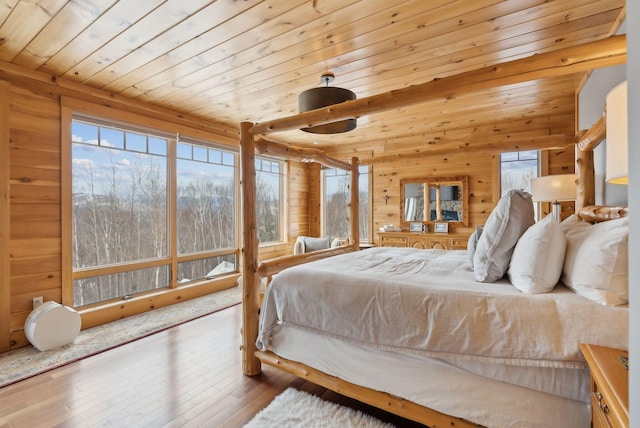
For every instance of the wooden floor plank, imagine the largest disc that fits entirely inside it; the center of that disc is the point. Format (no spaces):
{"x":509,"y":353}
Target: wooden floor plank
{"x":186,"y":376}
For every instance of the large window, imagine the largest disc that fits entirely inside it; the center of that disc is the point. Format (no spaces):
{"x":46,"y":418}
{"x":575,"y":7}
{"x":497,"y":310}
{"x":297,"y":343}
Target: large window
{"x":131,"y":231}
{"x":336,"y":196}
{"x":517,"y":169}
{"x":205,"y":209}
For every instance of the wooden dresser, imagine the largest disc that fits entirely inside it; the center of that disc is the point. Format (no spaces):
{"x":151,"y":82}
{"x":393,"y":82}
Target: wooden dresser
{"x":440,"y":241}
{"x":609,"y":386}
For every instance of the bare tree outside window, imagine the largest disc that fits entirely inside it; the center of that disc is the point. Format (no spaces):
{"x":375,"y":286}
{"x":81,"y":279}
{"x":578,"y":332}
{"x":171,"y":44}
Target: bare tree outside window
{"x":336,"y":197}
{"x":268,"y":200}
{"x":121,"y":211}
{"x":205,"y":209}
{"x":517,"y":169}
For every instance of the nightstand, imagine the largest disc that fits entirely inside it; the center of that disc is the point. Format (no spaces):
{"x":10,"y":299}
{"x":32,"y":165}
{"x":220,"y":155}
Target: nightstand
{"x":609,"y":386}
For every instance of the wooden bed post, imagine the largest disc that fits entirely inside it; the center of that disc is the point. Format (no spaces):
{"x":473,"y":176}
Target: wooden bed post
{"x":354,"y":211}
{"x":251,"y":365}
{"x":585,"y":169}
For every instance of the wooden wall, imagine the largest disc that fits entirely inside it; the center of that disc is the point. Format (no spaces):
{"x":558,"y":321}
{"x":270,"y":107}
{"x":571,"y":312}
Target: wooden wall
{"x":35,"y":210}
{"x":484,"y":185}
{"x":395,"y":160}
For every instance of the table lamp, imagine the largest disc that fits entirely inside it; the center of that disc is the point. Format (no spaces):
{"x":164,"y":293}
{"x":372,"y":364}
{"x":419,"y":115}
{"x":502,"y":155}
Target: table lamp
{"x":554,"y":189}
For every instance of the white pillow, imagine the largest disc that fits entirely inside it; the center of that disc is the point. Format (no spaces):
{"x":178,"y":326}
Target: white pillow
{"x":537,"y":259}
{"x":596,"y":264}
{"x":506,"y":223}
{"x":572,"y":221}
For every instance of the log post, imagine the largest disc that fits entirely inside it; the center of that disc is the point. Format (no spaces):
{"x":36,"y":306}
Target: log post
{"x":354,"y":211}
{"x":585,"y":168}
{"x":586,"y":185}
{"x":251,"y":365}
{"x":288,"y":152}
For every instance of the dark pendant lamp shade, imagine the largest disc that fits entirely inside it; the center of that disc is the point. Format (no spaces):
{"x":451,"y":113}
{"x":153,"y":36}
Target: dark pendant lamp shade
{"x":316,"y":98}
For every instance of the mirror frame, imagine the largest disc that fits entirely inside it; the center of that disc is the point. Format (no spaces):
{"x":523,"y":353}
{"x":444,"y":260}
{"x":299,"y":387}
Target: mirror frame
{"x":462,"y":181}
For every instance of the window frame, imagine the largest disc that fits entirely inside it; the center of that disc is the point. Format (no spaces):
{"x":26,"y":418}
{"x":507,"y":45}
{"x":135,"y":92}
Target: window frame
{"x":323,"y":188}
{"x":105,"y":116}
{"x":538,"y":160}
{"x":541,"y":159}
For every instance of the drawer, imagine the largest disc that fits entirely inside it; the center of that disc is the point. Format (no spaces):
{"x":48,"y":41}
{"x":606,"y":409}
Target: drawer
{"x":609,"y":387}
{"x":603,"y":414}
{"x":439,"y":243}
{"x":418,"y":243}
{"x":599,"y":412}
{"x":459,"y":244}
{"x":393,"y":241}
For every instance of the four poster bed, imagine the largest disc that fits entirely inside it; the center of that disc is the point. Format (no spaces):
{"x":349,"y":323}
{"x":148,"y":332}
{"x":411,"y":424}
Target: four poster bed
{"x":413,"y":331}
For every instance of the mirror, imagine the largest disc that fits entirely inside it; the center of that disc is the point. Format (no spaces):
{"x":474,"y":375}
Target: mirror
{"x":434,"y":199}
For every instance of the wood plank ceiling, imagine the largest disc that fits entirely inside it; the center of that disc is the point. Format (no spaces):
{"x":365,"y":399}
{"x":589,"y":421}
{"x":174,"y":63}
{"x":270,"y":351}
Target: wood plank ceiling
{"x":235,"y":60}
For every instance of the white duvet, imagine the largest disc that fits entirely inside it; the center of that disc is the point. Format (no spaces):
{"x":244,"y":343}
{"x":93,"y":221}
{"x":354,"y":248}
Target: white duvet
{"x":427,"y":302}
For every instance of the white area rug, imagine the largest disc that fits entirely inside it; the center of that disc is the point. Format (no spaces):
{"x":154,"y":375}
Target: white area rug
{"x":299,"y":409}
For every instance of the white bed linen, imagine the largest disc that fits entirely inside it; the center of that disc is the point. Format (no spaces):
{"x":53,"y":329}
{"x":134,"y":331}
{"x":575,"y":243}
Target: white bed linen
{"x":442,"y":386}
{"x":426,"y":302}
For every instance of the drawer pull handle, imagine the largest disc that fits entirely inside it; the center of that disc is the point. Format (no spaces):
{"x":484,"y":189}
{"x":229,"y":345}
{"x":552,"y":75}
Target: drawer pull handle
{"x":601,"y":404}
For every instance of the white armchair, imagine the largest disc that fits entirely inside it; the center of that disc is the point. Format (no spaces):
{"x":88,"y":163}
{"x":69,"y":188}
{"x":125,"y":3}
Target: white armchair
{"x":306,"y":244}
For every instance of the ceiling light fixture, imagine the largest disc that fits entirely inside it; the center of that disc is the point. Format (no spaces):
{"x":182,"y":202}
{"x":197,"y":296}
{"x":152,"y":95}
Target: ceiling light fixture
{"x":323,"y":96}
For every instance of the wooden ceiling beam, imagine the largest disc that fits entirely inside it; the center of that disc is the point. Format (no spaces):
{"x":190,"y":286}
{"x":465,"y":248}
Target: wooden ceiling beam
{"x":545,"y":142}
{"x":278,"y":150}
{"x":602,"y":53}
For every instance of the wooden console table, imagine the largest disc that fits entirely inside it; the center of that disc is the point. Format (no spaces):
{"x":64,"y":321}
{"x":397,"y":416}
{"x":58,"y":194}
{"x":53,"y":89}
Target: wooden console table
{"x":440,"y":241}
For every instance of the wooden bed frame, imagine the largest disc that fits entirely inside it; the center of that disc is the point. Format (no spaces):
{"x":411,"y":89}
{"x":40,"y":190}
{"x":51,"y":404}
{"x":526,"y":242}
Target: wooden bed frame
{"x":252,"y":141}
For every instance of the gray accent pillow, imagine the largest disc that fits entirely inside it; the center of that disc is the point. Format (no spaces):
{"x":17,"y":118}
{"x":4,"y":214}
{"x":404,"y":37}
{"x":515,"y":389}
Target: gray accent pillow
{"x":472,"y":243}
{"x":315,"y":244}
{"x":507,"y":222}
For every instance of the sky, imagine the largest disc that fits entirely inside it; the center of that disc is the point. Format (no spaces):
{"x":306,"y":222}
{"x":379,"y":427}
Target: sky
{"x":98,"y":160}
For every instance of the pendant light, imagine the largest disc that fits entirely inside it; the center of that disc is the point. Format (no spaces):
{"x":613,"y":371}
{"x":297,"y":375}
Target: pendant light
{"x":323,"y":96}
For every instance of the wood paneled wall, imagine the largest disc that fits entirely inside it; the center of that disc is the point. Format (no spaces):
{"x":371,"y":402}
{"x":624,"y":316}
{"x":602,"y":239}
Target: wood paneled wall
{"x":482,"y":168}
{"x":35,"y":194}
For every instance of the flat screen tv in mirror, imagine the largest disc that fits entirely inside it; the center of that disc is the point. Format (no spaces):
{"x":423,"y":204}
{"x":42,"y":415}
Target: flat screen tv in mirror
{"x":435,"y":199}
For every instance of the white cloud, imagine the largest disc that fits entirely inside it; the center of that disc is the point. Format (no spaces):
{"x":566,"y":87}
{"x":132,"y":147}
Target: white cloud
{"x":83,"y":163}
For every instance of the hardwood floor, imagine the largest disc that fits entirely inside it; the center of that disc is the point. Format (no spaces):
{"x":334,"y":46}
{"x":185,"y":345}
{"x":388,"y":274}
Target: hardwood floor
{"x":187,"y":376}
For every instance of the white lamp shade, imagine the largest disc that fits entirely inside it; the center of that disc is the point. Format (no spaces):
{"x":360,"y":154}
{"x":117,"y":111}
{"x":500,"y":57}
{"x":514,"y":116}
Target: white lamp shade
{"x":617,"y":140}
{"x":552,"y":188}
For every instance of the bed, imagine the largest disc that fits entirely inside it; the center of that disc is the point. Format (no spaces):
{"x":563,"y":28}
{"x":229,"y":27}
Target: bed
{"x":416,"y":324}
{"x":415,"y":332}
